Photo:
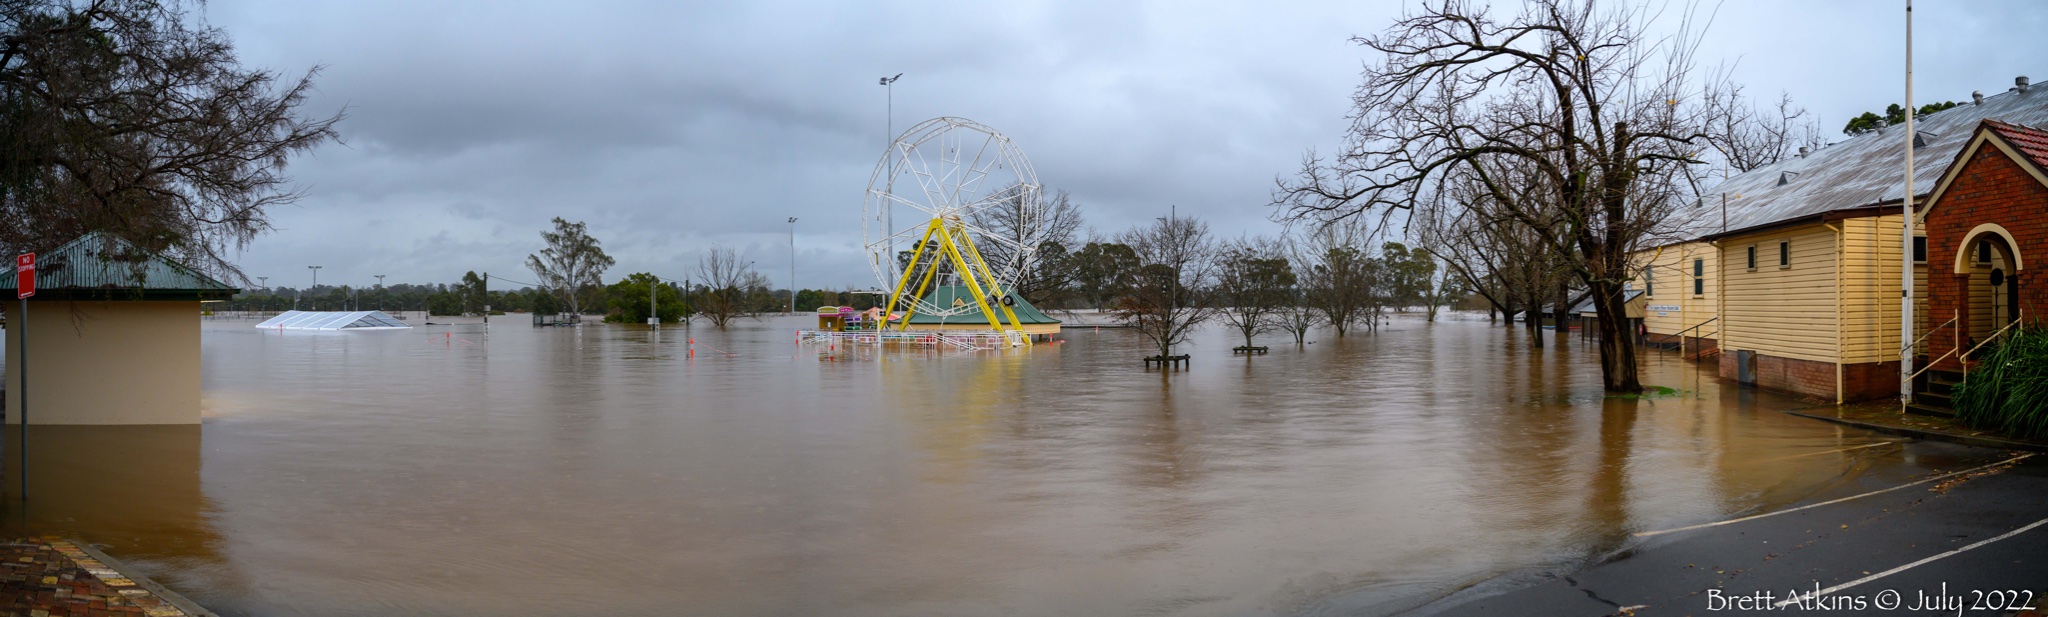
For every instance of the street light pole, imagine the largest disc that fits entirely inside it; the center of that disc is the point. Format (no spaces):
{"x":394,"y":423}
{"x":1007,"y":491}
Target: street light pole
{"x":889,"y":161}
{"x":316,"y":283}
{"x":380,"y":291}
{"x":792,"y":265}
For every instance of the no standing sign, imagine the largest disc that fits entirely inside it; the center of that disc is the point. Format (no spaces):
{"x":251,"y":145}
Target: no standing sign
{"x":25,"y":275}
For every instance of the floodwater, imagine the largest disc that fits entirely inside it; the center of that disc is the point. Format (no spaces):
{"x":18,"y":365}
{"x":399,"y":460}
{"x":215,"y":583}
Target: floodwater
{"x":450,"y":470}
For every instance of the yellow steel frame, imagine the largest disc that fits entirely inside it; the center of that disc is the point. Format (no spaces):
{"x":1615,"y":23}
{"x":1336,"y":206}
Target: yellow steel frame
{"x":954,"y":244}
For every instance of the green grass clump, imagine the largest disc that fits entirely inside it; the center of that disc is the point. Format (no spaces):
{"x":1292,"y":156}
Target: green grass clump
{"x":2009,"y":390}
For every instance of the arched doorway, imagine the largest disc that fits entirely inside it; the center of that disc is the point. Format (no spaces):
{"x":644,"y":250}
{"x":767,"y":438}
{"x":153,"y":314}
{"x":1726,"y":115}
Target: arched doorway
{"x":1993,"y":267}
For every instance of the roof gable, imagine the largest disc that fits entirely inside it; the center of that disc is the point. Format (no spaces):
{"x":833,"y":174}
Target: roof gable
{"x":949,"y":294}
{"x":2027,"y":147}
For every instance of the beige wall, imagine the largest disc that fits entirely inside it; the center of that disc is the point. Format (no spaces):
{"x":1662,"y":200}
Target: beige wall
{"x":1671,"y":268}
{"x":1871,"y":253}
{"x":1788,"y":312}
{"x":106,"y":362}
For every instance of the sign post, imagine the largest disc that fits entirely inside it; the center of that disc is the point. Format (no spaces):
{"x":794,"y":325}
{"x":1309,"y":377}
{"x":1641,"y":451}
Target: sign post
{"x":24,"y":286}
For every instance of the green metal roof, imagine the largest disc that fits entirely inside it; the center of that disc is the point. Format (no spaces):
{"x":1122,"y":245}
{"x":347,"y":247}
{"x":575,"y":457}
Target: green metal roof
{"x":99,"y":266}
{"x":946,"y":296}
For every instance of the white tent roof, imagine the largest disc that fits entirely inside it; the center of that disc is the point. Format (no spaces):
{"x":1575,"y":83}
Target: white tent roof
{"x":334,"y":320}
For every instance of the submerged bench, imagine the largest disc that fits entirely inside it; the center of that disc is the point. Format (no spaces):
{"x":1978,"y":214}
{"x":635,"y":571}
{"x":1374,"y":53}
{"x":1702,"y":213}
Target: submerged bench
{"x":1165,"y":361}
{"x":1248,"y":350}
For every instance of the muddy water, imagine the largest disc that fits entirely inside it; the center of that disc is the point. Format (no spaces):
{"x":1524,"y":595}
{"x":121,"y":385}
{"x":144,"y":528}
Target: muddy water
{"x":448,"y":470}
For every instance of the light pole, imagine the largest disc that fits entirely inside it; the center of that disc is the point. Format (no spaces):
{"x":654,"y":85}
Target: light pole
{"x":792,"y":265}
{"x":889,"y":160}
{"x":380,"y":291}
{"x":1173,"y":285}
{"x":316,"y":282}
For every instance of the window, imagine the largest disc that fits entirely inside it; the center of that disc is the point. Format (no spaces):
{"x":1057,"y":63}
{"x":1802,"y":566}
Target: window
{"x":1752,"y":258}
{"x":1784,"y":253}
{"x":1919,"y":249}
{"x":1983,"y":252}
{"x":1699,"y":281}
{"x":1650,"y":281}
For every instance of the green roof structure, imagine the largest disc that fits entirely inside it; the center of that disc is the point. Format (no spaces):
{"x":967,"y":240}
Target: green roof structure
{"x":958,"y":295}
{"x":99,"y":266}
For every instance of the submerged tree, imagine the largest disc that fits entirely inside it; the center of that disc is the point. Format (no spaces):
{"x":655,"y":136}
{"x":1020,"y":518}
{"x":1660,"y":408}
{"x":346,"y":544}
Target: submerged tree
{"x":633,"y":297}
{"x":1253,"y":279}
{"x":572,"y":263}
{"x":1296,"y":313}
{"x":1166,"y":298}
{"x":1585,"y":97}
{"x":732,"y":288}
{"x":134,"y":118}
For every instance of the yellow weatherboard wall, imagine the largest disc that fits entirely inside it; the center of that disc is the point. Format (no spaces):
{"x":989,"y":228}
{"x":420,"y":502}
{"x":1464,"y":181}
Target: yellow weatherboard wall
{"x":1788,"y":311}
{"x":1672,"y":306}
{"x":93,"y":362}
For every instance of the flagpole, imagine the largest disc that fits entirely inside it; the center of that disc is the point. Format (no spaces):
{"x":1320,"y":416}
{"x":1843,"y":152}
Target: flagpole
{"x":1906,"y":276}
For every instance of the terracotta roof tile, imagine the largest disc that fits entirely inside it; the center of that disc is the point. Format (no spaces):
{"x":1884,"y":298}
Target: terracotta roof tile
{"x":2032,"y":143}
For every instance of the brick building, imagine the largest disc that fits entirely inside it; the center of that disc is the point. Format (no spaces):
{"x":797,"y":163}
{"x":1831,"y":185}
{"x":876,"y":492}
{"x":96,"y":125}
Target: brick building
{"x":1985,"y":220}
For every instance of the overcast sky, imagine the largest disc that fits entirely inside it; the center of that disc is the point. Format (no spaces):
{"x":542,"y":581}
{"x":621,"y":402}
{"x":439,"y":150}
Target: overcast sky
{"x":670,"y":129}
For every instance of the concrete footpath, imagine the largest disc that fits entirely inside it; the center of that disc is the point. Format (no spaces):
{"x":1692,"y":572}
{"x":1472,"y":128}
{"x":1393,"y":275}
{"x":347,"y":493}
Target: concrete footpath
{"x":1967,"y":538}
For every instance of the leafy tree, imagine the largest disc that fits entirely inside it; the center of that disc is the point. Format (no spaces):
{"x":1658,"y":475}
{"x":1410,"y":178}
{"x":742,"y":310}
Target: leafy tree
{"x":1103,"y":270}
{"x":629,"y":300}
{"x":473,"y":295}
{"x":573,"y":265}
{"x":1893,"y":115}
{"x":134,"y":118}
{"x":1253,"y":279}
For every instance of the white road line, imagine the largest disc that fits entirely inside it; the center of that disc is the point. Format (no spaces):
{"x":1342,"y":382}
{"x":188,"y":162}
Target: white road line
{"x":1752,"y":517}
{"x":1823,"y":592}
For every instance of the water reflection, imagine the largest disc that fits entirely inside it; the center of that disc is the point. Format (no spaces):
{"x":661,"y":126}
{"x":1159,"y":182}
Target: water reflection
{"x":453,"y":470}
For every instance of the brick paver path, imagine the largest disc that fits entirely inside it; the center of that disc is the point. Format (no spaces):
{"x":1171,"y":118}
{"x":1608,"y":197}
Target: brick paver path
{"x":44,"y":577}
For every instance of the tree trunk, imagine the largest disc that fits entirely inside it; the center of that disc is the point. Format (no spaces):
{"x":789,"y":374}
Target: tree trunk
{"x":1533,"y":323}
{"x":1563,"y":305}
{"x":1617,"y":343}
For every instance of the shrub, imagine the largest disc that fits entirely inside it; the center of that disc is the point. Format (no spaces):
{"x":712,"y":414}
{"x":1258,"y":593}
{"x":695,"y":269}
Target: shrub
{"x":2009,"y":390}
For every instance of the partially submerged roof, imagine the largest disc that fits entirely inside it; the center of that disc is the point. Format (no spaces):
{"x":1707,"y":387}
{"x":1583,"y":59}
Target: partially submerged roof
{"x":958,"y":295}
{"x":333,"y":320}
{"x":1864,"y":171}
{"x":99,"y":266}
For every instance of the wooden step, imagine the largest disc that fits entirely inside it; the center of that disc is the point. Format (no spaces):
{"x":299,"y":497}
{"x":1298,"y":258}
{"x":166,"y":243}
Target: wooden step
{"x":1924,"y":409}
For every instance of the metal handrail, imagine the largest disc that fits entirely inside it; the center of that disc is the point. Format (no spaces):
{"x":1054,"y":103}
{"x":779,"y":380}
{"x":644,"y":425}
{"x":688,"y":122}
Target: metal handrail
{"x":1681,"y":334}
{"x":2018,"y":317}
{"x":1916,"y":342}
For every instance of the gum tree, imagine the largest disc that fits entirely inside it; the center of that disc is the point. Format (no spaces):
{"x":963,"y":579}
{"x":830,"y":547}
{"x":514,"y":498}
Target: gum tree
{"x":572,"y":263}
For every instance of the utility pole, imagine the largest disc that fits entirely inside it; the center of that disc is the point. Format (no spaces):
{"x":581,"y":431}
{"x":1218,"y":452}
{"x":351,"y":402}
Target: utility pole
{"x":380,"y":292}
{"x":1906,"y":212}
{"x":792,"y":265}
{"x":485,"y":282}
{"x":653,"y":306}
{"x":316,"y":284}
{"x":1173,"y":286}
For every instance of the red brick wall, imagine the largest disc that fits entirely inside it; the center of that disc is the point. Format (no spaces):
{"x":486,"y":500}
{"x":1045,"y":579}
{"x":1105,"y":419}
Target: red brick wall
{"x":1991,"y":188}
{"x":1816,"y":380}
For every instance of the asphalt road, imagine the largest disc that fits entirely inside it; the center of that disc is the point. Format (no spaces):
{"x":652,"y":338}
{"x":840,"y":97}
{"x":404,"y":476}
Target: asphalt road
{"x":1949,"y":546}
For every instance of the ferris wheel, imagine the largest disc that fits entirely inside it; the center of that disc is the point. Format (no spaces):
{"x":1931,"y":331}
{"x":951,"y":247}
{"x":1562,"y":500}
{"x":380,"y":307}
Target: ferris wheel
{"x":952,"y":203}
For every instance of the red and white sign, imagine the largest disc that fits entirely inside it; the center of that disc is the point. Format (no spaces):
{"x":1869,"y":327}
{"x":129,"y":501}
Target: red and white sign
{"x":25,"y":274}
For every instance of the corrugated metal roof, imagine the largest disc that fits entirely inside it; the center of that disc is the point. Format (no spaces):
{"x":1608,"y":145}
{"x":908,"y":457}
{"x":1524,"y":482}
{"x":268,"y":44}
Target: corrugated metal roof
{"x":946,"y":296}
{"x":1864,"y":170}
{"x":102,"y":265}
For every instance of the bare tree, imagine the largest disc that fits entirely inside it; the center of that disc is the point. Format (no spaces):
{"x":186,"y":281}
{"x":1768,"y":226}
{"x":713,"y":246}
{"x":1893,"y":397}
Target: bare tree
{"x":1746,"y":137}
{"x":1297,"y":313}
{"x":1015,"y":218}
{"x":133,"y":118}
{"x":1583,"y":96}
{"x":731,"y":286}
{"x":572,"y":263}
{"x":1167,"y":297}
{"x":1253,"y":279}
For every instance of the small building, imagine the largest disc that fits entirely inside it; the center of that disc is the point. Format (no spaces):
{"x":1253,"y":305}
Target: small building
{"x":1792,"y":270}
{"x":334,"y":321}
{"x":1035,"y":323}
{"x":113,"y":336}
{"x":1986,"y":218}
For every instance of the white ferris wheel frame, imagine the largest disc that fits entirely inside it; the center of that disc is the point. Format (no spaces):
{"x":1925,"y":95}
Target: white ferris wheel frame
{"x":957,"y":168}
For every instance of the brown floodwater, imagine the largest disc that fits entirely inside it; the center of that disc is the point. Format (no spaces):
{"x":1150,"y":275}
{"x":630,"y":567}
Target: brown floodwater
{"x":449,"y":470}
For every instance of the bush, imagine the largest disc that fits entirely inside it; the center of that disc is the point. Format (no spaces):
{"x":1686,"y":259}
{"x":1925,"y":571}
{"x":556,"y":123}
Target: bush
{"x":2009,"y":390}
